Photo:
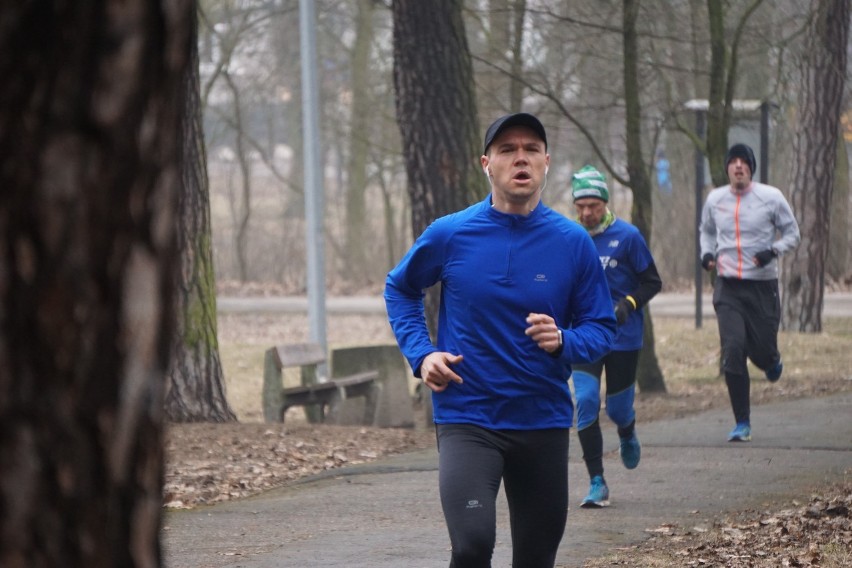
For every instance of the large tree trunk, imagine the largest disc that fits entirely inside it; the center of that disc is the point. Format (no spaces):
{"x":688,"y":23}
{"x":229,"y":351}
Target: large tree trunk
{"x":436,"y":112}
{"x":649,"y":376}
{"x":195,"y":390}
{"x":90,"y":139}
{"x":821,"y":94}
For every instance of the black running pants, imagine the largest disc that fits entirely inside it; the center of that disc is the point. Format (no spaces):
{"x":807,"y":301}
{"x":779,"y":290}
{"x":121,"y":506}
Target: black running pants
{"x":532,"y":464}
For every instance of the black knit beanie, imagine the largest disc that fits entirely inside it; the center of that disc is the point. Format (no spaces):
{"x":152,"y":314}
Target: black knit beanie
{"x":746,"y":153}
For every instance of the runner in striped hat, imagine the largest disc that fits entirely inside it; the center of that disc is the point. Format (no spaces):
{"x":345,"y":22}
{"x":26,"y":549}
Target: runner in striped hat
{"x":633,"y":280}
{"x":589,"y":182}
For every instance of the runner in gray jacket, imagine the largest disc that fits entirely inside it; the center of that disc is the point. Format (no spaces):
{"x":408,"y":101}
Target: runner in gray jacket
{"x":738,"y":230}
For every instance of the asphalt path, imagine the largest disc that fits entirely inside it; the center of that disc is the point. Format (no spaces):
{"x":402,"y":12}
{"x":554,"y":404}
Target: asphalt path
{"x":665,"y":304}
{"x":387,"y":514}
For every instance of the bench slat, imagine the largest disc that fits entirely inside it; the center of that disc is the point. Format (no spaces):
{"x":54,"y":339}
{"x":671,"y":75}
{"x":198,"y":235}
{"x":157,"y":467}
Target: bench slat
{"x":356,"y":379}
{"x":318,"y":387}
{"x":299,"y":354}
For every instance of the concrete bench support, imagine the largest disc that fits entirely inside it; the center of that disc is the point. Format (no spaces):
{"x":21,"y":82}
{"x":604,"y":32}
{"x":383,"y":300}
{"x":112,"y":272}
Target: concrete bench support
{"x":395,"y":408}
{"x":321,"y":397}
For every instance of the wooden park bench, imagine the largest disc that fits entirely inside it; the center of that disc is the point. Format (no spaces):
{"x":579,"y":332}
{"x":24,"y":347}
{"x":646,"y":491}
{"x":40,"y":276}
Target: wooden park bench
{"x":320,"y":396}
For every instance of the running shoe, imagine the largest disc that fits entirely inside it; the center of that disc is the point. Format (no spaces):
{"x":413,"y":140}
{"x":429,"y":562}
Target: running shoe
{"x":774,"y":373}
{"x":630,"y":451}
{"x":741,"y":433}
{"x":598,"y":494}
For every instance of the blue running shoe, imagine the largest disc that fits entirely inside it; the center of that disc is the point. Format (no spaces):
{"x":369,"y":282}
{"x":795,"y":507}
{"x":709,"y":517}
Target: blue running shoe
{"x":741,"y":433}
{"x":631,"y":451}
{"x":774,"y":373}
{"x":598,"y":494}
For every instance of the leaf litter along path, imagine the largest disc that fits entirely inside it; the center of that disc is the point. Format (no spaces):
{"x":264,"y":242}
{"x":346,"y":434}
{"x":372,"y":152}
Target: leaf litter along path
{"x":817,"y":532}
{"x":229,"y":461}
{"x":209,"y":463}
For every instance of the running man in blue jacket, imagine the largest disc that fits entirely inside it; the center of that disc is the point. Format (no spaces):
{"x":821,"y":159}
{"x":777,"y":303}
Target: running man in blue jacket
{"x":523,"y":298}
{"x":633,"y":280}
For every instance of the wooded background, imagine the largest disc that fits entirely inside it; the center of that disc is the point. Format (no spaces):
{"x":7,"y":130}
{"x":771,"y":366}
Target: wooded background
{"x":562,"y":60}
{"x":145,"y":158}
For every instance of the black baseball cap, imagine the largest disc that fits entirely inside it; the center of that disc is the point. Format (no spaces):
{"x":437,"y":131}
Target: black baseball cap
{"x":517,"y":119}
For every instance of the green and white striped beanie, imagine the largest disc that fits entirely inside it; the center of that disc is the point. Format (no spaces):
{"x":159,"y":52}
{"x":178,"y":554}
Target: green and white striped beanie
{"x":589,"y":182}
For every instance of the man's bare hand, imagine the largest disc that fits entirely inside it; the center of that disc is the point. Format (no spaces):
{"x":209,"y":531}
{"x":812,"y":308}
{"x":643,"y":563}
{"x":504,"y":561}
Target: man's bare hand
{"x":436,"y":372}
{"x":544,"y":331}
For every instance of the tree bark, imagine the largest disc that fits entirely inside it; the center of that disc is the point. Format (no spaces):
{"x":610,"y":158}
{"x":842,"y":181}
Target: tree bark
{"x":195,"y":390}
{"x":837,"y":264}
{"x":436,"y":113}
{"x":718,"y":120}
{"x":815,"y":144}
{"x":90,"y":138}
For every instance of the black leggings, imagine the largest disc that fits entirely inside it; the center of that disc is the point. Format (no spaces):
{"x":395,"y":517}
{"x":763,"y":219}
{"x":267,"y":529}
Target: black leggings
{"x":748,"y":313}
{"x":533,"y":464}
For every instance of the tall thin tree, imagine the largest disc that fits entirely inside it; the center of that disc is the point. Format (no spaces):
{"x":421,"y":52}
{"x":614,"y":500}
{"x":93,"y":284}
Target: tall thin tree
{"x":649,"y":376}
{"x":195,"y":389}
{"x":821,"y":95}
{"x":90,"y":129}
{"x":359,"y":147}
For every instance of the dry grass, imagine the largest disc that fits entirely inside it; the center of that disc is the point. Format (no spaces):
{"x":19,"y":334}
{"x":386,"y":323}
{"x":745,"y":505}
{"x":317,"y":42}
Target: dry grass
{"x":815,"y":364}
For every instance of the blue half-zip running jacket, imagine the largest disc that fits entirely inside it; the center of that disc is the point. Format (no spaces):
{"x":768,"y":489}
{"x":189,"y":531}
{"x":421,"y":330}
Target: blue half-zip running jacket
{"x":495,"y":269}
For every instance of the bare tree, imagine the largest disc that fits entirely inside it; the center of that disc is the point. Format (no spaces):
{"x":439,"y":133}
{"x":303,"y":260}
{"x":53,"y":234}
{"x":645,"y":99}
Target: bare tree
{"x":821,"y":94}
{"x":195,"y":389}
{"x":503,"y":32}
{"x":436,"y":112}
{"x":359,"y":146}
{"x":560,"y":58}
{"x":243,"y":211}
{"x":649,"y":376}
{"x":724,"y":69}
{"x":237,"y":91}
{"x":90,"y":117}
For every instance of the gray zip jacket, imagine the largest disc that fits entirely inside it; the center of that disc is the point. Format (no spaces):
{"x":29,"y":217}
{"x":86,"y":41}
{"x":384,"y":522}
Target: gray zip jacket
{"x":736,"y":226}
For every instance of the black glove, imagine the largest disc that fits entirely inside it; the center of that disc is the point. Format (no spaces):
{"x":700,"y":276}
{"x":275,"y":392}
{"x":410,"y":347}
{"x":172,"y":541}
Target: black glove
{"x":706,"y":260}
{"x":622,"y":310}
{"x":764,"y":257}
